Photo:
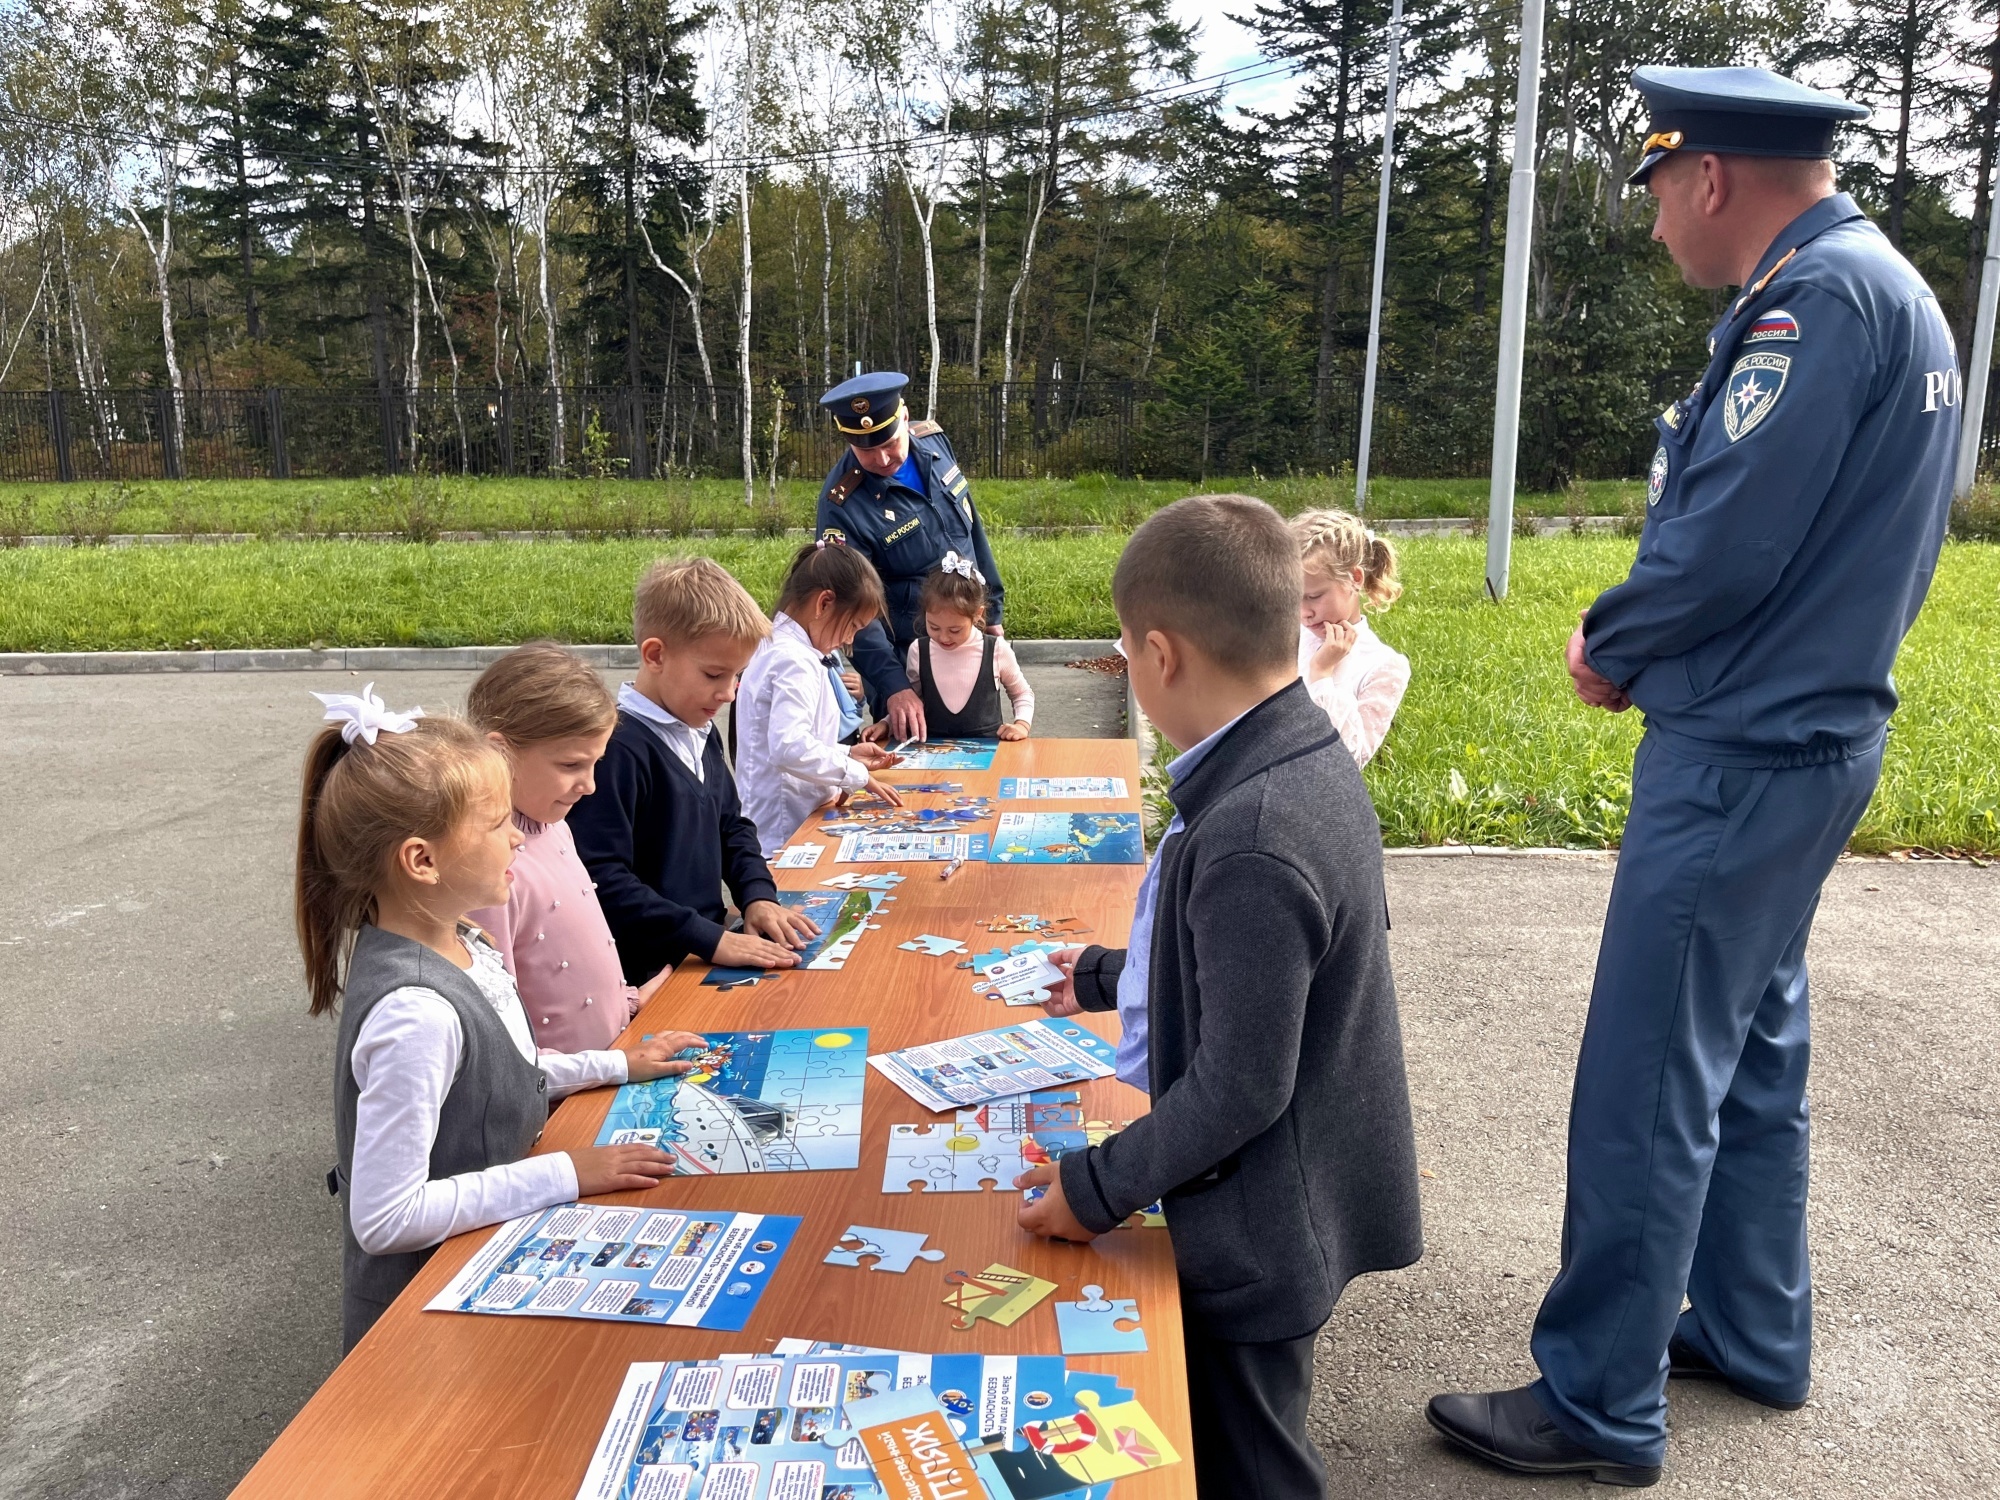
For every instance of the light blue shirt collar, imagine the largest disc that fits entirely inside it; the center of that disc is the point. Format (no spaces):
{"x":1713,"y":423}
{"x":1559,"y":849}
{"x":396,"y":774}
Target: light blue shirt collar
{"x":1134,"y":1014}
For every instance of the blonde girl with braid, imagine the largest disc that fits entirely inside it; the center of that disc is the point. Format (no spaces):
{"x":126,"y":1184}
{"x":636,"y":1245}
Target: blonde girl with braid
{"x":1349,"y":670}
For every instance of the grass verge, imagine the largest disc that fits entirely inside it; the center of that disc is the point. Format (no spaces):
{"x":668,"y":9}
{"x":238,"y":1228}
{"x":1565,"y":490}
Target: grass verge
{"x":614,"y":507}
{"x":1490,"y":747}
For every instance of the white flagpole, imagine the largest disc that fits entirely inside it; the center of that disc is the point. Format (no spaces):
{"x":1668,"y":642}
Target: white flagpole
{"x":1395,"y":51}
{"x":1514,"y":307}
{"x":1972,"y":404}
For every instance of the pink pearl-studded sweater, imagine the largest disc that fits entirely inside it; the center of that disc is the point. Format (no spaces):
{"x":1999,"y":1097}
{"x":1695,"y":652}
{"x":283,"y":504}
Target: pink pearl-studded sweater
{"x":558,"y":947}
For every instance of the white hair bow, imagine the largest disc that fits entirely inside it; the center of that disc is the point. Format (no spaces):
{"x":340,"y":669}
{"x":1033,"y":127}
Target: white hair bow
{"x":365,"y":716}
{"x":951,"y":562}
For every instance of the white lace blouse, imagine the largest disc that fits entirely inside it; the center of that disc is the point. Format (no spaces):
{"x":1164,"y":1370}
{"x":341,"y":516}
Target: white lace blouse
{"x":1361,"y":694}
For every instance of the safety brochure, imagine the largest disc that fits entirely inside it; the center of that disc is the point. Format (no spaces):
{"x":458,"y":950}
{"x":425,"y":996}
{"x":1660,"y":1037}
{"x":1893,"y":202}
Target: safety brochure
{"x":997,"y":1064}
{"x":921,"y":848}
{"x":793,"y":1425}
{"x":757,"y":1101}
{"x":682,"y":1268}
{"x":1073,"y":838}
{"x":1018,"y":788}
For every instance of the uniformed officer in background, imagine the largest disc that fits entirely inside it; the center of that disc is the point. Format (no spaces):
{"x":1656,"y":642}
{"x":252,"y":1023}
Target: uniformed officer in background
{"x":898,"y":495}
{"x":1796,"y":506}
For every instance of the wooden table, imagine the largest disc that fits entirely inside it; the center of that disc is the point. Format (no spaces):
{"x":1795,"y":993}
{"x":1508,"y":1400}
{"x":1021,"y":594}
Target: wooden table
{"x":439,"y":1404}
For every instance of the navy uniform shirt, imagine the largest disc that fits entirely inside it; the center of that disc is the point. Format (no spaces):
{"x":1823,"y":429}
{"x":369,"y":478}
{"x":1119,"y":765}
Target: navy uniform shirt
{"x":905,"y":533}
{"x":1795,"y":507}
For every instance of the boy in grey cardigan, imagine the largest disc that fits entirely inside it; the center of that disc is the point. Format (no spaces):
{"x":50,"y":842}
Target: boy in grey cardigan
{"x":1256,"y":998}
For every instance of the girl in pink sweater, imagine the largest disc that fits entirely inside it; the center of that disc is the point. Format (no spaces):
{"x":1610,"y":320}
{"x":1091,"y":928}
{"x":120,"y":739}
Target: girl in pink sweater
{"x":971,"y":684}
{"x":550,"y":714}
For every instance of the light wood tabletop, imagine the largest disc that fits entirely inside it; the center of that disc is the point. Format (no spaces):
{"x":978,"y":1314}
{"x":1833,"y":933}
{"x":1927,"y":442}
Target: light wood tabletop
{"x":448,"y":1404}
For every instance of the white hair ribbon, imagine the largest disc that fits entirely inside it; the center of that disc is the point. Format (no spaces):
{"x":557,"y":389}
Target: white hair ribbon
{"x":951,"y":562}
{"x":365,"y":716}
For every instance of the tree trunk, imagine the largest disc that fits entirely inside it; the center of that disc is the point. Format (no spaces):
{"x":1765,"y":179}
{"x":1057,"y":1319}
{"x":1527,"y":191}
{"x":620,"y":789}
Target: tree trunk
{"x":979,"y":286}
{"x":245,"y":237}
{"x":1490,"y":187}
{"x":1329,"y":297}
{"x":825,"y":289}
{"x":1899,"y":184}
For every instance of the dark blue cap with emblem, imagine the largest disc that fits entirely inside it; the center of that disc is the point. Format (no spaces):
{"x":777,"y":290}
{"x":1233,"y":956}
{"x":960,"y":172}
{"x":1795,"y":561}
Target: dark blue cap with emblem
{"x":1735,"y":111}
{"x":868,"y":409}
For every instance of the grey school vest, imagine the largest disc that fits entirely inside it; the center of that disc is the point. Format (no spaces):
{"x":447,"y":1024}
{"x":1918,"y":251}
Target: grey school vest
{"x":492,"y":1114}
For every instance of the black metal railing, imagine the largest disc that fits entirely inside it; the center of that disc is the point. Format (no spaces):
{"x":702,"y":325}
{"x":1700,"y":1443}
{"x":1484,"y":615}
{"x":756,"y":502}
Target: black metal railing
{"x":1165,"y":429}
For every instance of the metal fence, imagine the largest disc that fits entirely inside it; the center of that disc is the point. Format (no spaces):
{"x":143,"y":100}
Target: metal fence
{"x":1023,"y":430}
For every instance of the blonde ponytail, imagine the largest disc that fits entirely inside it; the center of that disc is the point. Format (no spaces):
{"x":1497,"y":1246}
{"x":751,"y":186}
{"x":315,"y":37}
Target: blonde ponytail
{"x":1335,"y":543}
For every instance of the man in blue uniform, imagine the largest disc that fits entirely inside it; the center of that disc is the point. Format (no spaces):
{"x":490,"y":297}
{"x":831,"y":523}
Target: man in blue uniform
{"x":1796,"y":506}
{"x":897,"y":494}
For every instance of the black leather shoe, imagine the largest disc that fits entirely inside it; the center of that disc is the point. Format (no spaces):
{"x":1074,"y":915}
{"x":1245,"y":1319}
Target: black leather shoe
{"x":1510,"y":1430}
{"x":1685,"y":1362}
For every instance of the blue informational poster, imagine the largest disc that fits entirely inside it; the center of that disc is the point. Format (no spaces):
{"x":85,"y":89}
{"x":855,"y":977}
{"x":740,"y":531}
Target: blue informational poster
{"x":1068,"y":838}
{"x":775,"y":1426}
{"x":947,"y":755}
{"x":759,"y":1101}
{"x":997,"y":1064}
{"x":693,"y":1268}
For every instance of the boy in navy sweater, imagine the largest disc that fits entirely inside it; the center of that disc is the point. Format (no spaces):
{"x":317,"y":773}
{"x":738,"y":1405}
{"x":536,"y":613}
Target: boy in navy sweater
{"x":664,"y":831}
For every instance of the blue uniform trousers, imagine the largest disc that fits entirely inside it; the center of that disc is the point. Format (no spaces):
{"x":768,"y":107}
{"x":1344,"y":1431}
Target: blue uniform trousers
{"x":1687,"y":1136}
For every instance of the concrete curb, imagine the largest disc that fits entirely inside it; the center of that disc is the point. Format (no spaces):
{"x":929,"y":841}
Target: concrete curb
{"x":388,"y":659}
{"x":1420,"y":526}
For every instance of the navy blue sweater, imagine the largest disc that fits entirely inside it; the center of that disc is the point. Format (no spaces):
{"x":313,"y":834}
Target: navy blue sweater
{"x":660,"y":845}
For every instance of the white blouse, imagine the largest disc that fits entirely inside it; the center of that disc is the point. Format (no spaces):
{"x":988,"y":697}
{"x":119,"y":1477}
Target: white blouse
{"x":1362,"y":693}
{"x":789,"y":759}
{"x":404,"y":1062}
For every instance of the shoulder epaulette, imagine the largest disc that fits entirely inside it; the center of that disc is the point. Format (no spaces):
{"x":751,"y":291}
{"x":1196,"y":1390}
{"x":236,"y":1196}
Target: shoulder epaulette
{"x":925,"y":429}
{"x":845,"y":485}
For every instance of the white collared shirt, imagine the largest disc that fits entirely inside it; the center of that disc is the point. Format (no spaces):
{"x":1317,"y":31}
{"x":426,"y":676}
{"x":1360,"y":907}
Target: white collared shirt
{"x":404,"y":1061}
{"x":688,"y":743}
{"x":789,"y":759}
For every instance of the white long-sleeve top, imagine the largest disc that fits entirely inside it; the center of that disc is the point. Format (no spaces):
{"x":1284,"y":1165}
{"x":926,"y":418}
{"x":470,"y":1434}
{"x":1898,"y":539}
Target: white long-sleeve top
{"x":404,"y":1061}
{"x":789,"y":759}
{"x":1362,"y":693}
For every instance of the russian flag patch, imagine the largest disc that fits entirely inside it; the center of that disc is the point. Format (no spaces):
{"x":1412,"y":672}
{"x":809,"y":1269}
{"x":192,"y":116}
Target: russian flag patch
{"x":1772,"y":326}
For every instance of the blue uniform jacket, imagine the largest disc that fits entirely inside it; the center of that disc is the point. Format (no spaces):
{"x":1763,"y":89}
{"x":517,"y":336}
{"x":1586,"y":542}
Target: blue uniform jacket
{"x":905,"y":535}
{"x":1795,"y":508}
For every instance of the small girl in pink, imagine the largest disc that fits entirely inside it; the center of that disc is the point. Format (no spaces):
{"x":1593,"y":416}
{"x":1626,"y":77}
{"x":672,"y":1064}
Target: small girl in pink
{"x":550,"y":714}
{"x":971,"y":684}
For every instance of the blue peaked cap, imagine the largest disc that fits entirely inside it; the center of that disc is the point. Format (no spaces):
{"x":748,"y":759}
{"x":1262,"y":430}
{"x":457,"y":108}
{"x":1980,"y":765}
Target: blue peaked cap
{"x":868,"y":409}
{"x":1739,"y":111}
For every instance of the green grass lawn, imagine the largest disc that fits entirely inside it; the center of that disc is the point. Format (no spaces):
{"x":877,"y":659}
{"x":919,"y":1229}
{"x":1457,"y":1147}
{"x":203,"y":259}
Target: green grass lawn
{"x":1490,"y":747}
{"x":613,"y":507}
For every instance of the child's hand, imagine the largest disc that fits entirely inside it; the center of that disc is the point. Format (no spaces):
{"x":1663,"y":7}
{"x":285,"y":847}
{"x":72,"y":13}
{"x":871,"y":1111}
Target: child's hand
{"x":1062,"y":996}
{"x":655,"y":1057}
{"x":1339,"y":641}
{"x":886,"y":792}
{"x":851,"y":679}
{"x":652,"y":986}
{"x":779,"y":923}
{"x":1049,"y":1215}
{"x":742,"y":950}
{"x":876,"y":732}
{"x":874,"y":757}
{"x":618,"y":1169}
{"x":1018,"y":730}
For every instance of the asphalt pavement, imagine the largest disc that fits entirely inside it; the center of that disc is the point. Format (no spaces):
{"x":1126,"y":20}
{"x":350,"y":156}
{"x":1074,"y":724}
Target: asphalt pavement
{"x":169,"y":1268}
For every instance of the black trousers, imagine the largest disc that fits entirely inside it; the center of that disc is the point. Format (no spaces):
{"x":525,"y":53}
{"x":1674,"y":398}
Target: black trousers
{"x":1249,"y":1406}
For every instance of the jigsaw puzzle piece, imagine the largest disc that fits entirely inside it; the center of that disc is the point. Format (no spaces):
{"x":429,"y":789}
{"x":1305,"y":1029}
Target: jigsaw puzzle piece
{"x":933,"y":945}
{"x":893,"y":1249}
{"x":999,"y":1294}
{"x":1093,"y":1325}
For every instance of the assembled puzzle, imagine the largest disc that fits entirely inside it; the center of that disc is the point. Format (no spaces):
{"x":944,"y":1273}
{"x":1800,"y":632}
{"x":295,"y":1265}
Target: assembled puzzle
{"x":760,"y":1101}
{"x":1075,"y":838}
